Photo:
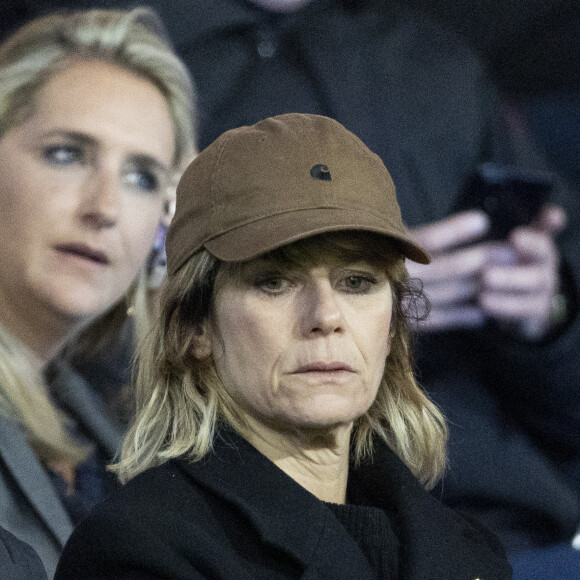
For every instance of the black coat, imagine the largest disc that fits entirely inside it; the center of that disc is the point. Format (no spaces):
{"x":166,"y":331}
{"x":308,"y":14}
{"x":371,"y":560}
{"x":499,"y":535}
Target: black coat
{"x":235,"y":515}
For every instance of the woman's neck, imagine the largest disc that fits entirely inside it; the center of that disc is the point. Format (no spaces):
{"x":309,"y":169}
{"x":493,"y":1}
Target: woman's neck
{"x":316,"y":459}
{"x":41,"y":337}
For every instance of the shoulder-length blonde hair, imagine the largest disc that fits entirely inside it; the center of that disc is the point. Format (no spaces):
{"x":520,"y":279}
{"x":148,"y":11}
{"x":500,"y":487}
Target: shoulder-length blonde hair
{"x":135,"y":41}
{"x":181,"y":400}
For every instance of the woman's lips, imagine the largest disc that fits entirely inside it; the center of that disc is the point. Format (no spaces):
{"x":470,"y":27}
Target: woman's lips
{"x":85,"y":252}
{"x":324,"y":367}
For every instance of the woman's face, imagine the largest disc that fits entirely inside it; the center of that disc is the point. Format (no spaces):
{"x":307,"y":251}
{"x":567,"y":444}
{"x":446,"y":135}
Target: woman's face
{"x":82,"y":188}
{"x":302,"y":347}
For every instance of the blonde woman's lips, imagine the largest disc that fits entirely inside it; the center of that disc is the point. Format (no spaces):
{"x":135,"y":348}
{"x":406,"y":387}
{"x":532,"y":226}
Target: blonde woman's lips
{"x":84,"y":252}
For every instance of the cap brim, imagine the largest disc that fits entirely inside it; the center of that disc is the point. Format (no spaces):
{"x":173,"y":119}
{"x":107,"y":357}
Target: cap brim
{"x":264,"y":235}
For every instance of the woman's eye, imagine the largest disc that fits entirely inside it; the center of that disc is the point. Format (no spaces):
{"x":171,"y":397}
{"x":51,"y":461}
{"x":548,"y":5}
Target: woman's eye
{"x":63,"y":154}
{"x":358,"y":283}
{"x":143,"y":180}
{"x":273,"y":285}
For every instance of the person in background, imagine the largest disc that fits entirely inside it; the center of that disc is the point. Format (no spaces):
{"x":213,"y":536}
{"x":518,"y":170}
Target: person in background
{"x":96,"y":120}
{"x":280,"y":430}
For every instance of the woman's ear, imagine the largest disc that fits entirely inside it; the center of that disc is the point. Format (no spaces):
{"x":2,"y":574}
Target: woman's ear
{"x":201,"y":342}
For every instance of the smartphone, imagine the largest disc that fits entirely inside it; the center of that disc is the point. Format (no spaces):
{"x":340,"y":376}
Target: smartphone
{"x":509,"y":195}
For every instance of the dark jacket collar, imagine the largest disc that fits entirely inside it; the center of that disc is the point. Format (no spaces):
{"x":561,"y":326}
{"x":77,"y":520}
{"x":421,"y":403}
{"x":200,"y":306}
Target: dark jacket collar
{"x":283,"y":512}
{"x":436,"y":542}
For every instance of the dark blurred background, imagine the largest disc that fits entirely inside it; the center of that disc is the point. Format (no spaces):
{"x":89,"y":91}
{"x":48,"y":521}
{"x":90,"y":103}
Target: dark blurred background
{"x":532,"y":48}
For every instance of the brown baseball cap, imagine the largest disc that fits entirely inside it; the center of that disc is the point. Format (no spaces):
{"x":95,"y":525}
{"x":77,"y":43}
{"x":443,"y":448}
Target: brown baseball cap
{"x":285,"y":178}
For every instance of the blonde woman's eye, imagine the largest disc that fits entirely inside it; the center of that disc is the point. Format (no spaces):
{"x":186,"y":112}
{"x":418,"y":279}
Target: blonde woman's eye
{"x":146,"y":181}
{"x":62,"y":155}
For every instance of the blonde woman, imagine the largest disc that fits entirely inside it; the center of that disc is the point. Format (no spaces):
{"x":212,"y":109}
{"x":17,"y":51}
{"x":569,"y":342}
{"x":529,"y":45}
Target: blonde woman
{"x":95,"y":121}
{"x":281,"y":432}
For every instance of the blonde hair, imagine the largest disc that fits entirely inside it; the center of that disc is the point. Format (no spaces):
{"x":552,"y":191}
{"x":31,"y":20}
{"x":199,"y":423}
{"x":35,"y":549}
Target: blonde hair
{"x":181,"y":400}
{"x":135,"y":41}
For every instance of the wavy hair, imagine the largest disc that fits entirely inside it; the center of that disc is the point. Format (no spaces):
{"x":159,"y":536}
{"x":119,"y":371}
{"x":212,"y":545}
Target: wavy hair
{"x":181,"y":400}
{"x":133,"y":40}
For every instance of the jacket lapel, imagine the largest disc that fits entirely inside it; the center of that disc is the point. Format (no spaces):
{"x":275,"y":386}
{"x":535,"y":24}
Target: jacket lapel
{"x":76,"y":396}
{"x":436,"y":541}
{"x":33,"y":480}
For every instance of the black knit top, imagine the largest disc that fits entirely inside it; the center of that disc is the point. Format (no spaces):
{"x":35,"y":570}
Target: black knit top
{"x":371,"y":528}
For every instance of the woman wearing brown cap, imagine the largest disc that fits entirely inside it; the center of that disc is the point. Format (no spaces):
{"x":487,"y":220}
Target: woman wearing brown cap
{"x":280,"y":431}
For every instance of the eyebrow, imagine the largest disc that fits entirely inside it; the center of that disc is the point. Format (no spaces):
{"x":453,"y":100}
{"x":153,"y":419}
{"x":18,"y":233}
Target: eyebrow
{"x":84,"y":139}
{"x":73,"y":135}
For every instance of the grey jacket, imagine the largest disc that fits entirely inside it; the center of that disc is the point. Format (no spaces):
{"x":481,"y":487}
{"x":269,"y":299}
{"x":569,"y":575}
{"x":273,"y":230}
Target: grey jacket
{"x":17,"y":560}
{"x":29,"y":505}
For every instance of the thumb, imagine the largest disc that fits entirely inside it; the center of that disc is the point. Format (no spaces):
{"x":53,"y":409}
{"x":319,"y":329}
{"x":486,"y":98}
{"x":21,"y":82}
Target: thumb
{"x":551,"y":219}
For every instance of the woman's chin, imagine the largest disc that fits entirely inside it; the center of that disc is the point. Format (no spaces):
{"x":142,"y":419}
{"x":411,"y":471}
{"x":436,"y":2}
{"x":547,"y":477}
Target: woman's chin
{"x":79,"y":308}
{"x":327,"y":418}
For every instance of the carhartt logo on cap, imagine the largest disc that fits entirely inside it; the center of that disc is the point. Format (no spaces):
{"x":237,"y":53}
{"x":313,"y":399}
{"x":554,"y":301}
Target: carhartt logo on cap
{"x":321,"y":172}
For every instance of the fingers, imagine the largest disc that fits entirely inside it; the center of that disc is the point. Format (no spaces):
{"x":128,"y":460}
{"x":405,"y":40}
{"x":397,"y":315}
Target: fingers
{"x":522,"y":292}
{"x":452,"y":283}
{"x":552,"y":219}
{"x":513,"y":281}
{"x":460,"y":228}
{"x":514,"y":308}
{"x":528,"y":265}
{"x":534,"y":245}
{"x":517,"y":279}
{"x":465,"y":317}
{"x":453,"y":292}
{"x":451,"y":280}
{"x":459,"y":264}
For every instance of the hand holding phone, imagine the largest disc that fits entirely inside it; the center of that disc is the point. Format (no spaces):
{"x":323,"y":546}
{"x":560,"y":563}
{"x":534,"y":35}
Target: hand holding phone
{"x":512,"y":281}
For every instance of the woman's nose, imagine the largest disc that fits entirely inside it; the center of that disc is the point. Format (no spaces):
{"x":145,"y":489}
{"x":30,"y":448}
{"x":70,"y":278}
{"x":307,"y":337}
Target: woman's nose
{"x":322,"y":312}
{"x":100,"y":207}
